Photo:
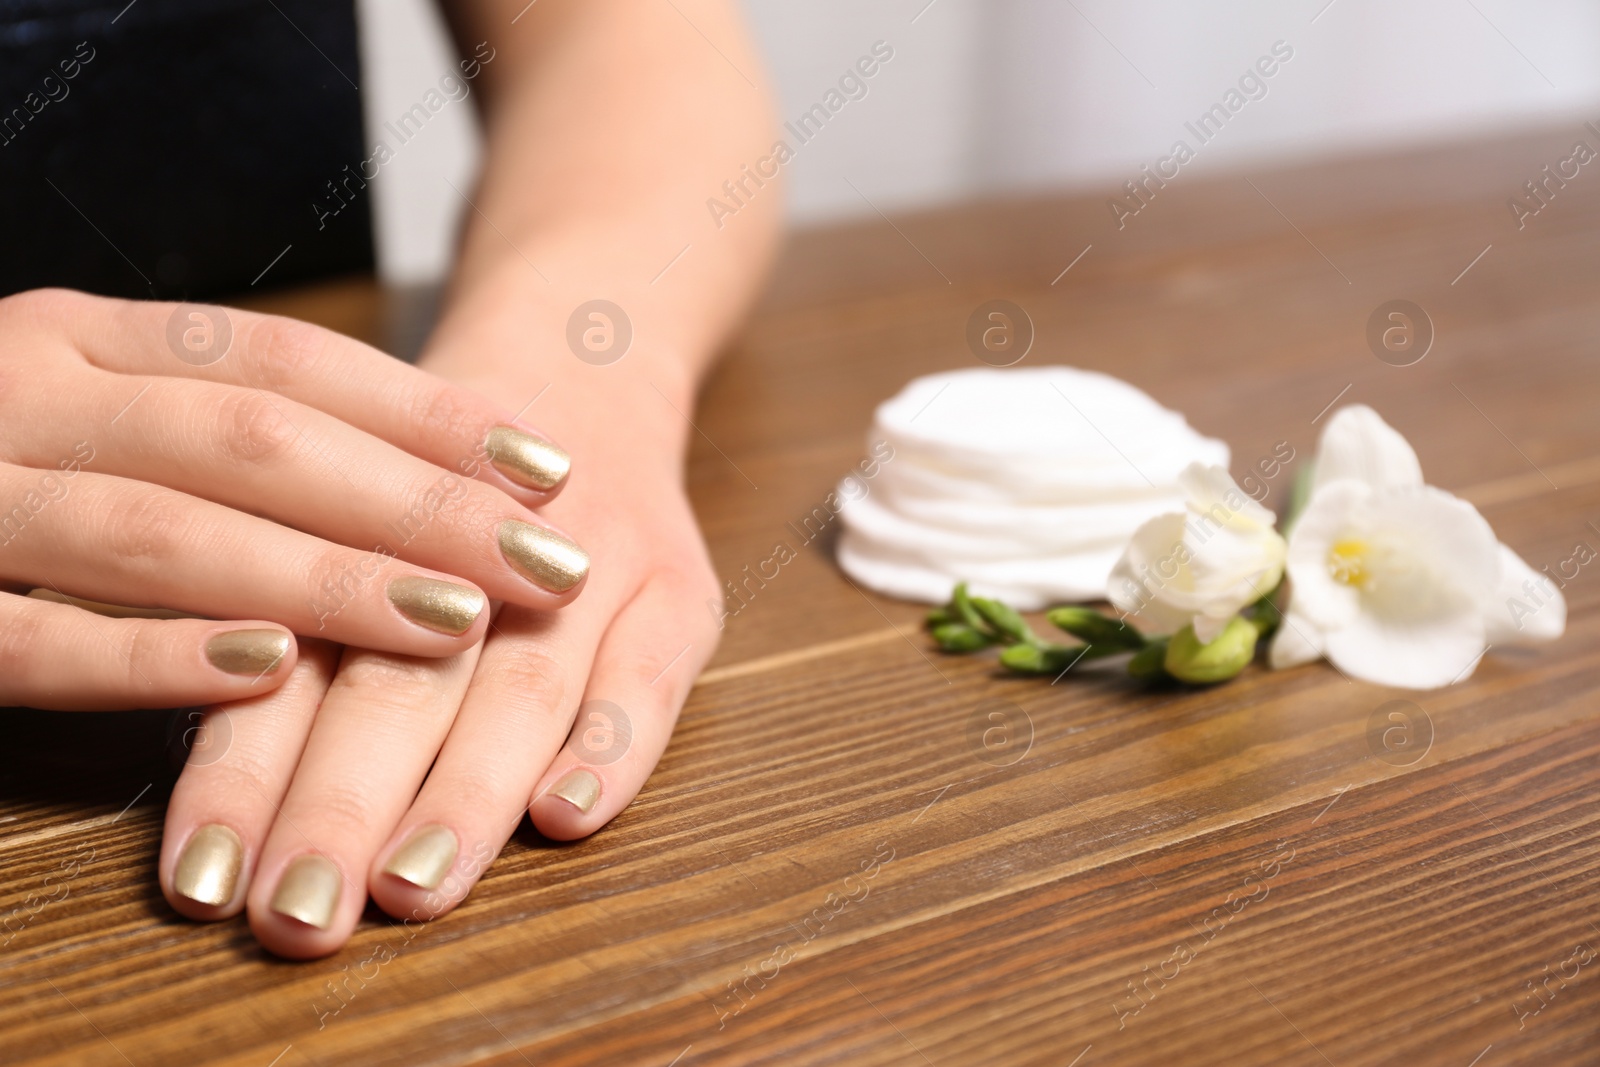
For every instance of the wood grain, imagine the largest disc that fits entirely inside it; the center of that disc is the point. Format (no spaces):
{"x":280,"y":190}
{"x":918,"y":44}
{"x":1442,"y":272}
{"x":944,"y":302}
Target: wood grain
{"x":1010,"y":903}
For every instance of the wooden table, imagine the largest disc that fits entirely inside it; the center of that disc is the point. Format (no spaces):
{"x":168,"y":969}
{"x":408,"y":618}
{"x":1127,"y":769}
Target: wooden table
{"x":1406,"y":906}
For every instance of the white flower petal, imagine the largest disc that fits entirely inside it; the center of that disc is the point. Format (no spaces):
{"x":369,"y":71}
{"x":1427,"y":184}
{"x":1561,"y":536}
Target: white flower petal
{"x":1202,"y":565}
{"x":1358,"y":444}
{"x":1442,"y":552}
{"x":1230,"y":571}
{"x":1408,"y":653}
{"x":1148,"y":571}
{"x":1337,"y":512}
{"x":1297,"y":641}
{"x":1209,"y":485}
{"x":1526,"y":607}
{"x":1398,"y":582}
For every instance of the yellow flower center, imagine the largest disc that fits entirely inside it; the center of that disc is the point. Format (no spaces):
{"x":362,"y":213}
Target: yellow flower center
{"x":1347,"y":562}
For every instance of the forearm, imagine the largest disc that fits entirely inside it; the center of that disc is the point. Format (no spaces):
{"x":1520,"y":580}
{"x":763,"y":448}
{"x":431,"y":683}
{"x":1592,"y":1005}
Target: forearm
{"x":610,"y":124}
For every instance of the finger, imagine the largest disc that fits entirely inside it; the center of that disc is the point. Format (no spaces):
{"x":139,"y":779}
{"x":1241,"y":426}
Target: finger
{"x":242,"y":756}
{"x":110,"y":611}
{"x":452,"y":427}
{"x":512,"y":721}
{"x":642,"y":674}
{"x":65,"y":658}
{"x":377,"y":731}
{"x":131,"y":543}
{"x":260,"y":452}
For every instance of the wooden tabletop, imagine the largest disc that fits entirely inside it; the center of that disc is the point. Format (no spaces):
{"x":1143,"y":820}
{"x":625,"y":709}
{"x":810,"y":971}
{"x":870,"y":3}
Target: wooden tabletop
{"x":831,"y":866}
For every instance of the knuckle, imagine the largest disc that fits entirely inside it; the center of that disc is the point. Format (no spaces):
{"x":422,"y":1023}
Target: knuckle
{"x":20,"y":642}
{"x":530,"y":685}
{"x":341,"y":804}
{"x":33,"y":325}
{"x":393,"y":680}
{"x":39,"y":304}
{"x":284,"y":352}
{"x":145,"y":526}
{"x":484,"y":792}
{"x":445,"y":413}
{"x":436,"y":508}
{"x":337,"y":577}
{"x":252,"y":428}
{"x":243,"y":773}
{"x":143,"y":643}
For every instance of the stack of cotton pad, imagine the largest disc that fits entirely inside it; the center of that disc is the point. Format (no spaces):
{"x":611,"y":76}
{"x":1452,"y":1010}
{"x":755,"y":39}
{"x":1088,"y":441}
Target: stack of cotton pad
{"x":1025,"y":483}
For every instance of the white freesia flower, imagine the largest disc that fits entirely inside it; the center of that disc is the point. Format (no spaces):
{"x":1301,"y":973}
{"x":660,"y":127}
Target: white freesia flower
{"x":1201,"y":565}
{"x":1397,"y":582}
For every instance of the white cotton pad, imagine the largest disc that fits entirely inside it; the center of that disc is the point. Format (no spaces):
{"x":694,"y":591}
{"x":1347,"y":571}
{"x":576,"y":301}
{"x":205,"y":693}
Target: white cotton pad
{"x":1025,"y":482}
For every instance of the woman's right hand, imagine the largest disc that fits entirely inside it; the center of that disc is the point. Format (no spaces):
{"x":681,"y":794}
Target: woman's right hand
{"x":240,"y":466}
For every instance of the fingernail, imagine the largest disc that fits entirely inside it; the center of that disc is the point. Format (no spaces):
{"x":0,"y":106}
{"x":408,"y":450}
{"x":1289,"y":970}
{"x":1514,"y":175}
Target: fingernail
{"x":543,"y":556}
{"x":526,"y":459}
{"x":254,"y":652}
{"x":208,"y":868}
{"x":580,"y":788}
{"x":442,"y":606}
{"x":308,"y":891}
{"x":425,"y":858}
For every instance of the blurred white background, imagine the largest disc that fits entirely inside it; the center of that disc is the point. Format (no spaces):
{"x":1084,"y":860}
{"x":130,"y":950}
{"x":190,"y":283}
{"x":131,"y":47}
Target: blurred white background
{"x":986,"y":97}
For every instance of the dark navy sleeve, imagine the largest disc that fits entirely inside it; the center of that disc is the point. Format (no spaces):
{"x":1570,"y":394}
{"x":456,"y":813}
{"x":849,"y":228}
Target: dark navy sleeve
{"x":180,"y":148}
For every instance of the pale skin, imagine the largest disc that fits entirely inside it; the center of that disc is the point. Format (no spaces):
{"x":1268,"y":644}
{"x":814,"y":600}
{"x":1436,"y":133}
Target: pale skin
{"x":610,"y":123}
{"x":137,"y":478}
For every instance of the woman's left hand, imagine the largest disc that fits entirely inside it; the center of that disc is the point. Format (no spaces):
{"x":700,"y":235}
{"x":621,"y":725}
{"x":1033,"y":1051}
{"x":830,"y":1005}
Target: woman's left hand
{"x":410,"y":776}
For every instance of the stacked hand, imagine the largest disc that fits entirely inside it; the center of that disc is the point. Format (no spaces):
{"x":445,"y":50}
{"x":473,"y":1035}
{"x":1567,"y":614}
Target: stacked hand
{"x":378,"y":724}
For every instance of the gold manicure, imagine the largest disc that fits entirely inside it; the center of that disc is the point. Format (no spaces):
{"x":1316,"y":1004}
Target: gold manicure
{"x":253,"y":652}
{"x":308,"y":891}
{"x":543,"y":556}
{"x":425,"y":858}
{"x":208,"y":868}
{"x":526,"y":459}
{"x":579,"y":787}
{"x":442,"y":606}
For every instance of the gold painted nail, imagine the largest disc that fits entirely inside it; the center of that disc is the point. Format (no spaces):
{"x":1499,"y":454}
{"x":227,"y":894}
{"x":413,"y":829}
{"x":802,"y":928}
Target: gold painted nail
{"x":442,"y":606}
{"x":308,"y":891}
{"x":579,"y":787}
{"x":208,"y":868}
{"x":526,"y":459}
{"x":543,"y":556}
{"x":425,"y":858}
{"x":254,"y":652}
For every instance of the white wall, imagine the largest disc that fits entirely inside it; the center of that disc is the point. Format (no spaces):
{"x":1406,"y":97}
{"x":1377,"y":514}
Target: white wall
{"x":993,"y":96}
{"x":405,"y":51}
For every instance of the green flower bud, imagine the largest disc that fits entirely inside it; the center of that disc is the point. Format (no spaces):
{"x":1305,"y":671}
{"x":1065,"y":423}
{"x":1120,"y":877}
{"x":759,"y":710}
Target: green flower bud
{"x":1189,"y":661}
{"x":958,"y":637}
{"x":1149,"y":663}
{"x":1004,"y":619}
{"x":1093,"y":628}
{"x":961,"y":607}
{"x":1051,"y":659}
{"x":1032,"y":659}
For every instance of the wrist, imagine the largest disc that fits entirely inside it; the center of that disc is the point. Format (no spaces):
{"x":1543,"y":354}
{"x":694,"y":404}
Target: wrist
{"x":511,"y":326}
{"x":516,"y":353}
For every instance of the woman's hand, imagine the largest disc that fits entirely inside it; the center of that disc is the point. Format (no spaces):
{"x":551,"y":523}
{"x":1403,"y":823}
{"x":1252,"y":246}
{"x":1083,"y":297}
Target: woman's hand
{"x":598,"y":195}
{"x":298,"y":814}
{"x":285,"y":475}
